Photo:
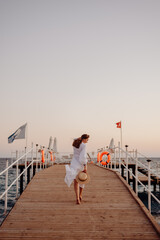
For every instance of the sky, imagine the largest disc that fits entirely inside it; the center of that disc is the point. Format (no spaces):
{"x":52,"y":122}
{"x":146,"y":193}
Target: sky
{"x":69,"y":67}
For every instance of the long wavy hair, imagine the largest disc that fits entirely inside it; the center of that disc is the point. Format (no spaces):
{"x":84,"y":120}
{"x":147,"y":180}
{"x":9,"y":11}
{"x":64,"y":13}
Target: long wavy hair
{"x":77,"y":142}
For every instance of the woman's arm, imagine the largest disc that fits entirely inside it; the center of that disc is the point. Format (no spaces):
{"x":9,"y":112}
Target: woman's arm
{"x":83,"y":157}
{"x":85,"y":168}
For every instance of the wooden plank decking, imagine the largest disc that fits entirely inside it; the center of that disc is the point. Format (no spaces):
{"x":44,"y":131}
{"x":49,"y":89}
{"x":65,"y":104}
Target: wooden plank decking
{"x":47,"y":210}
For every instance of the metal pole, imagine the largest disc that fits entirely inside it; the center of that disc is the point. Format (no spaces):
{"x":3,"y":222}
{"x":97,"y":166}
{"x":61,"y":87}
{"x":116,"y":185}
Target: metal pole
{"x":126,"y":163}
{"x":136,"y":174}
{"x":53,"y":157}
{"x":119,"y":157}
{"x":6,"y":186}
{"x":111,"y":161}
{"x":32,"y":161}
{"x":114,"y":165}
{"x":25,"y":165}
{"x":121,"y":135}
{"x":149,"y":186}
{"x":40,"y":163}
{"x":44,"y":158}
{"x":17,"y":175}
{"x":36,"y":157}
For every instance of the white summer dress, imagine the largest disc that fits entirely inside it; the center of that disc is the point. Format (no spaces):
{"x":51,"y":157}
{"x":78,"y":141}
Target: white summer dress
{"x":77,"y":164}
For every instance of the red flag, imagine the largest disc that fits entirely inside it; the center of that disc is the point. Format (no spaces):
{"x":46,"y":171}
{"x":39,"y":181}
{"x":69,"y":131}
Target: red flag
{"x":118,"y":124}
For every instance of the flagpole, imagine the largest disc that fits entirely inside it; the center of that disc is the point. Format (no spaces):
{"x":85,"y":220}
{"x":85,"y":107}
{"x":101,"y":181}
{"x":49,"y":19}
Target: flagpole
{"x":26,"y":152}
{"x":121,"y":134}
{"x":26,"y":136}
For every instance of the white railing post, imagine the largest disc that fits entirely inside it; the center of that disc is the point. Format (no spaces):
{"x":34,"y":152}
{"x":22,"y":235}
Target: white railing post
{"x":25,"y":166}
{"x":126,"y":163}
{"x":6,"y":186}
{"x":114,"y":157}
{"x":52,"y":157}
{"x":36,"y":158}
{"x":119,"y":157}
{"x":40,"y":162}
{"x":149,"y":185}
{"x":17,"y":175}
{"x":32,"y":161}
{"x":111,"y":161}
{"x":46,"y":157}
{"x":136,"y":172}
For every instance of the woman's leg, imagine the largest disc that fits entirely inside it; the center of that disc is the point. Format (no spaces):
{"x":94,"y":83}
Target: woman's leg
{"x":80,"y":193}
{"x":76,"y":189}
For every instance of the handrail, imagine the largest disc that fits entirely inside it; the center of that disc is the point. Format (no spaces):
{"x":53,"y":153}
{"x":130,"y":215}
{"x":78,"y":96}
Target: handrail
{"x":15,"y":180}
{"x":142,"y":184}
{"x":150,"y":169}
{"x":142,"y":155}
{"x":16,"y":161}
{"x":137,"y":163}
{"x":26,"y":166}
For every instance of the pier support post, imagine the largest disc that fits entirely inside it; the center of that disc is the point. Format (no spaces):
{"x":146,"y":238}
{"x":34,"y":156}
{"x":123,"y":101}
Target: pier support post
{"x":122,"y":172}
{"x":134,"y":180}
{"x":6,"y":186}
{"x":21,"y":181}
{"x":28,"y":175}
{"x":127,"y":163}
{"x":25,"y":165}
{"x":17,"y":175}
{"x":136,"y":173}
{"x":32,"y":162}
{"x":34,"y":170}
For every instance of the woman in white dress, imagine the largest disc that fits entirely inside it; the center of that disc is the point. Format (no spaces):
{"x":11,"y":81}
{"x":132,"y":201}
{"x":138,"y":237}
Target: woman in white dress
{"x":78,"y":163}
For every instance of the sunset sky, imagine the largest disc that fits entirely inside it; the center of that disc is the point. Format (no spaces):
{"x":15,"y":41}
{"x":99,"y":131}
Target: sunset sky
{"x":70,"y":67}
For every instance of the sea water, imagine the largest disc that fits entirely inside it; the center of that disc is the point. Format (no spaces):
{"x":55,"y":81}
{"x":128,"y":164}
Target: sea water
{"x":155,"y":166}
{"x":12,"y":191}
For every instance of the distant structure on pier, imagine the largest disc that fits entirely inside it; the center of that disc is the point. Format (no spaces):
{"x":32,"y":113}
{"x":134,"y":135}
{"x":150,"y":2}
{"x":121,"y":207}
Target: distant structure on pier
{"x":50,"y":143}
{"x":55,"y":145}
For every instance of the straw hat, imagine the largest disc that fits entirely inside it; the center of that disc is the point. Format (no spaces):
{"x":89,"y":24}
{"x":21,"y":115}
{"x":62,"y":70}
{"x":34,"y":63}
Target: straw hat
{"x":82,"y":178}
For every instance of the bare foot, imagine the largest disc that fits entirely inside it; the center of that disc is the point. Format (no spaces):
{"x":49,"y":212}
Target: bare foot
{"x":78,"y":201}
{"x":80,"y":198}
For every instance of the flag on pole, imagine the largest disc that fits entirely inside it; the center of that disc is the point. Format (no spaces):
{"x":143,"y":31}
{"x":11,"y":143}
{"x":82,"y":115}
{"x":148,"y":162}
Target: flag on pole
{"x":118,"y":124}
{"x":20,"y":133}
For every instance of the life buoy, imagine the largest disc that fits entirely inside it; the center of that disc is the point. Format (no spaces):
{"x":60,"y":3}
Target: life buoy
{"x":108,"y":159}
{"x":42,"y":152}
{"x":98,"y":157}
{"x":51,"y":156}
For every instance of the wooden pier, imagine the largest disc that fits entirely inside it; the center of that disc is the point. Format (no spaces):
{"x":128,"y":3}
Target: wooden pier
{"x":47,"y":210}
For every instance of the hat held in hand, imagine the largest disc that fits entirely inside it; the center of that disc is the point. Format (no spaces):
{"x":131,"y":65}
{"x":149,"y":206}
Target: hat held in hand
{"x":82,"y":178}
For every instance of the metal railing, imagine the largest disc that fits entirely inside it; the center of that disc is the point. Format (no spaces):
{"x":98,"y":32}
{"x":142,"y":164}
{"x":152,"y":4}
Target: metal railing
{"x":31,"y":161}
{"x":28,"y":163}
{"x":123,"y":158}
